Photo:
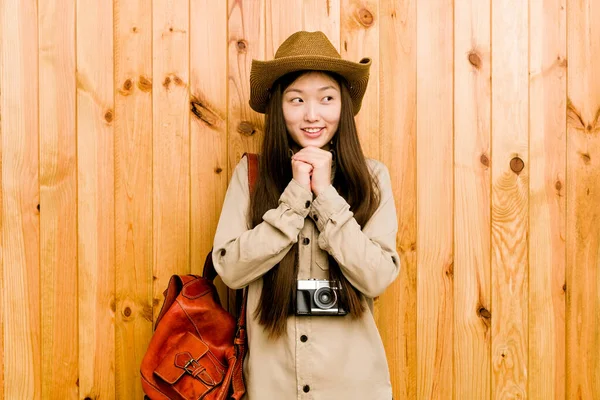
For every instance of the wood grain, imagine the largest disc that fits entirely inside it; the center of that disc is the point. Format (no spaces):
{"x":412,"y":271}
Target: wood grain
{"x":583,"y":201}
{"x":359,"y":20}
{"x":281,"y":20}
{"x":472,"y":126}
{"x":246,"y":41}
{"x":396,"y":311}
{"x":435,"y":263}
{"x":547,"y":190}
{"x":208,"y":97}
{"x":171,"y":144}
{"x":510,"y":195}
{"x":20,"y":198}
{"x":58,"y":199}
{"x":324,"y":16}
{"x":133,"y":181}
{"x":95,"y":199}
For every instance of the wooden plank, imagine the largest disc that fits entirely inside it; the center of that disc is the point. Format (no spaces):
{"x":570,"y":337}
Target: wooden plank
{"x":246,"y":23}
{"x":547,"y":194}
{"x":133,"y":181}
{"x":20,"y":199}
{"x":583,"y":204}
{"x":284,"y":18}
{"x":281,"y":20}
{"x":396,"y":311}
{"x":208,"y":88}
{"x":435,"y":276}
{"x":171,"y":144}
{"x":472,"y":284}
{"x":510,"y":176}
{"x":95,"y":196}
{"x":359,"y":39}
{"x":58,"y":198}
{"x":322,"y":16}
{"x":246,"y":41}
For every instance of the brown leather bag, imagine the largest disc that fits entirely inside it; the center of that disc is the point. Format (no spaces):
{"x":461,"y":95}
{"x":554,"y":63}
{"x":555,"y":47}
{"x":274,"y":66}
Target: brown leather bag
{"x":197,"y":349}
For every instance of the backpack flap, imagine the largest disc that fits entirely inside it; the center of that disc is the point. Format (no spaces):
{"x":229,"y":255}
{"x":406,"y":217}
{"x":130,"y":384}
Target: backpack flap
{"x":190,"y":369}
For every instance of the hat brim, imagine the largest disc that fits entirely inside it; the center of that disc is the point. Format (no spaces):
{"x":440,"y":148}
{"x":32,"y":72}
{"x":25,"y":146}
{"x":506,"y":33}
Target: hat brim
{"x":264,"y":73}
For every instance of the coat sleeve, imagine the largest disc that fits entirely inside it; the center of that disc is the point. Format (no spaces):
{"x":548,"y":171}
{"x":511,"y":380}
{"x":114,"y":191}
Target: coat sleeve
{"x":367,"y":257}
{"x":241,"y":255}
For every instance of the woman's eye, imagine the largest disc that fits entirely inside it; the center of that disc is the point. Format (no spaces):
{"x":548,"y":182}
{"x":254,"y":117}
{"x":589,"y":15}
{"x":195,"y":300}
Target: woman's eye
{"x":296,"y":100}
{"x":327,"y":98}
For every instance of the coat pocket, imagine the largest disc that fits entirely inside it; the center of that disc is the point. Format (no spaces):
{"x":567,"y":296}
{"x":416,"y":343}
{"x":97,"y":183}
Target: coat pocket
{"x":321,"y":259}
{"x":191,"y":369}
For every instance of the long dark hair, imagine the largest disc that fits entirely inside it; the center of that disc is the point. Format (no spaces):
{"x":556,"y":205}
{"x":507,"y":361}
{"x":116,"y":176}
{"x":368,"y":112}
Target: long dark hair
{"x":352,"y":180}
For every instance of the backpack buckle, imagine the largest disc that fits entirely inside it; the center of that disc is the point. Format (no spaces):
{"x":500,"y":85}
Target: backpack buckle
{"x":191,"y":366}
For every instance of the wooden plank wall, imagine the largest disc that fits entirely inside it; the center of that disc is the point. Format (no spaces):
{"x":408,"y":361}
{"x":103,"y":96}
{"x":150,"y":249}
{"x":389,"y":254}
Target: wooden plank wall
{"x":121,"y":123}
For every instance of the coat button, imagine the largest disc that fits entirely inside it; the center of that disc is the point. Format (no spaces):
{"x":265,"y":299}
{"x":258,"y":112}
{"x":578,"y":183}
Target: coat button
{"x":306,"y":241}
{"x":316,"y":217}
{"x":307,"y":204}
{"x":303,"y":338}
{"x":306,"y":388}
{"x":223,"y":252}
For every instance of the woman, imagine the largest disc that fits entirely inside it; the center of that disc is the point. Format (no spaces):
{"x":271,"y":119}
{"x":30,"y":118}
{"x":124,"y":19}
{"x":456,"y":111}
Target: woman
{"x":316,"y":240}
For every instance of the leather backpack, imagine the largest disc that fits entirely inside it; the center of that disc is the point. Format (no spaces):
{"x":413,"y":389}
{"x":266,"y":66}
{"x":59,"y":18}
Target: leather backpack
{"x":197,"y":349}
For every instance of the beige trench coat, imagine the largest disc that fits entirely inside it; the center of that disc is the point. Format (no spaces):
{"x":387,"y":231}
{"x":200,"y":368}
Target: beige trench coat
{"x":322,"y":357}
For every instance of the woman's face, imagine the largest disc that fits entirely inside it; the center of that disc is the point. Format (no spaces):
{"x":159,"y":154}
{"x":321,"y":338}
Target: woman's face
{"x":311,"y":109}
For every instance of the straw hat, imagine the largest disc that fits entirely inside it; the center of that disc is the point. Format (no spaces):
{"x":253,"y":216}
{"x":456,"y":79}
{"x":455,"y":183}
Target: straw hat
{"x":306,"y":51}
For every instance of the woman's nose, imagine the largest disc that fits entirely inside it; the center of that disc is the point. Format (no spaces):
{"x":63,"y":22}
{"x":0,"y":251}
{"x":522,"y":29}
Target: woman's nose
{"x":311,"y":113}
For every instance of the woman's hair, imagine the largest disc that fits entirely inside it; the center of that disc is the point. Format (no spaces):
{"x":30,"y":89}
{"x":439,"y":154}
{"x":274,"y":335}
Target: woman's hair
{"x":352,"y":180}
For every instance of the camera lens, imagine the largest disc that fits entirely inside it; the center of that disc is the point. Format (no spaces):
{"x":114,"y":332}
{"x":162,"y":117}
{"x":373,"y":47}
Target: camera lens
{"x":325,"y":297}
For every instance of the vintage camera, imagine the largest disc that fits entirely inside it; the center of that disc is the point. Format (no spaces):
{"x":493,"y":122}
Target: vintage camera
{"x":318,"y":297}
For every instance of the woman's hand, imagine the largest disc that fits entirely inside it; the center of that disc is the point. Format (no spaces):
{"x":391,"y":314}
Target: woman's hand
{"x":301,"y":173}
{"x":320,"y":161}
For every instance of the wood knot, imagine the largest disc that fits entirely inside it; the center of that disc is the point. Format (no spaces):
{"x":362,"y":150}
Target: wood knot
{"x":242,"y":45}
{"x":167,"y":82}
{"x":365,"y":17}
{"x":218,"y":170}
{"x":484,"y":313}
{"x":484,"y":160}
{"x":558,"y":185}
{"x":171,"y":29}
{"x":246,"y":128}
{"x":127,"y":85}
{"x":517,"y":165}
{"x":144,"y":84}
{"x":178,"y":81}
{"x":108,"y":116}
{"x":38,"y":207}
{"x":474,"y":59}
{"x":113,"y":305}
{"x":202,"y":112}
{"x":586,"y":158}
{"x":127,"y":312}
{"x":564,"y":288}
{"x":562,"y":62}
{"x":450,"y":270}
{"x":134,"y":29}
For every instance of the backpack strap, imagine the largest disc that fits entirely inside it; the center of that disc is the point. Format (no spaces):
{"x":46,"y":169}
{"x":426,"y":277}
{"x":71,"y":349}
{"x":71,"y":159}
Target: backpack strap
{"x":252,"y":170}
